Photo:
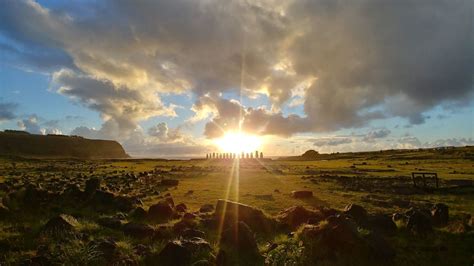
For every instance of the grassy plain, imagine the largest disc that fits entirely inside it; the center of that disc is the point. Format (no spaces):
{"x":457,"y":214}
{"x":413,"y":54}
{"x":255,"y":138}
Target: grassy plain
{"x":379,"y":181}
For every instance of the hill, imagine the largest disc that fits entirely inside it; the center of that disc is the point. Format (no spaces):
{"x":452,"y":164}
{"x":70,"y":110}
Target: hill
{"x":466,"y":152}
{"x":23,"y":144}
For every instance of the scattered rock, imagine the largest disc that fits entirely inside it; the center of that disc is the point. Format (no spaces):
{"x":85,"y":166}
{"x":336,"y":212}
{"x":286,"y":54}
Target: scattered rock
{"x":190,"y":233}
{"x":138,"y":230}
{"x":440,"y":214}
{"x":206,"y":208}
{"x":92,"y":185}
{"x":174,"y":254}
{"x":357,"y":212}
{"x":302,"y":194}
{"x":189,"y":216}
{"x":238,"y":246}
{"x":337,"y":237}
{"x":138,"y":213}
{"x":181,"y":207}
{"x":419,"y":223}
{"x":106,"y":247}
{"x":228,"y":212}
{"x":4,"y":211}
{"x":297,"y":215}
{"x":382,"y":224}
{"x":61,"y":225}
{"x":161,"y":211}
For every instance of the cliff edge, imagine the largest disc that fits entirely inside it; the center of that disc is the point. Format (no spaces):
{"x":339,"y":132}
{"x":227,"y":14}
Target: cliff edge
{"x":23,"y":144}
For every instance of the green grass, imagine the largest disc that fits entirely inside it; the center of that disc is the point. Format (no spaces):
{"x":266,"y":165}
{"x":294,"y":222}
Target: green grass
{"x":252,"y":183}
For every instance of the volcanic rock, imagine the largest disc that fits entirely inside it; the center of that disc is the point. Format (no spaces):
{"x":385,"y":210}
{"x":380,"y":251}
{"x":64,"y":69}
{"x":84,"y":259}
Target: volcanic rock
{"x":228,"y":212}
{"x":160,"y":211}
{"x":302,"y":194}
{"x":440,"y":214}
{"x":138,"y":230}
{"x":297,"y":215}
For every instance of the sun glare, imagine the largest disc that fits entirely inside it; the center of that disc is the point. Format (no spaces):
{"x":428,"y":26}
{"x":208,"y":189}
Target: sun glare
{"x":237,"y":142}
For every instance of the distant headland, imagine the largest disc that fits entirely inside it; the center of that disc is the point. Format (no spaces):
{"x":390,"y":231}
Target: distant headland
{"x":24,"y":144}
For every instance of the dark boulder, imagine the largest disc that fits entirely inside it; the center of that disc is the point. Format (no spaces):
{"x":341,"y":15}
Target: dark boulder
{"x":382,"y":224}
{"x":228,"y":212}
{"x":4,"y":211}
{"x":180,"y":252}
{"x":206,"y":208}
{"x":189,"y":216}
{"x":126,"y":204}
{"x":170,"y":200}
{"x":174,"y":254}
{"x":138,"y":230}
{"x":440,"y":214}
{"x":419,"y":223}
{"x":161,"y":211}
{"x":190,"y":233}
{"x":357,"y":212}
{"x":336,"y":238}
{"x":72,"y":193}
{"x":138,"y":213}
{"x":297,"y":215}
{"x":102,"y":200}
{"x":107,"y":248}
{"x":92,"y":185}
{"x":238,"y":246}
{"x":181,"y":207}
{"x":302,"y":194}
{"x":61,"y":225}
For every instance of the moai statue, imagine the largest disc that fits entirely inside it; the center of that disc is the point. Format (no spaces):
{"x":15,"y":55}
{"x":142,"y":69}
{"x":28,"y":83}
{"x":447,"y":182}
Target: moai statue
{"x":213,"y":155}
{"x":207,"y":156}
{"x":256,"y":154}
{"x":242,"y":155}
{"x":261,"y":155}
{"x":251,"y":155}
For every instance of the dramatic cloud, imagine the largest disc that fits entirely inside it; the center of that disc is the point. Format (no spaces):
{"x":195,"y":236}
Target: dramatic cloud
{"x":376,"y":134}
{"x":347,"y":62}
{"x":120,"y":106}
{"x":163,"y":133}
{"x":7,"y":111}
{"x":33,"y":126}
{"x":335,"y":141}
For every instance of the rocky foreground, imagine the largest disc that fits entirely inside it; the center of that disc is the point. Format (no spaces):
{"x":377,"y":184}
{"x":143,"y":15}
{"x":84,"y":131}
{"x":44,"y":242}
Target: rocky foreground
{"x":89,"y":224}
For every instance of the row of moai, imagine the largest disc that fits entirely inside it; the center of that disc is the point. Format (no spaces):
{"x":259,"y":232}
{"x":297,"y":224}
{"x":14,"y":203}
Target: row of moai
{"x":230,"y":155}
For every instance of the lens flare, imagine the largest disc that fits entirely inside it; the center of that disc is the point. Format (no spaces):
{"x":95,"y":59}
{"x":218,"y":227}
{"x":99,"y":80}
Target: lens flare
{"x":237,"y":142}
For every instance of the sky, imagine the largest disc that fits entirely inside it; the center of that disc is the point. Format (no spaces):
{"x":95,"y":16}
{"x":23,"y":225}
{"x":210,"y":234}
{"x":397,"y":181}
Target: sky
{"x":167,"y":78}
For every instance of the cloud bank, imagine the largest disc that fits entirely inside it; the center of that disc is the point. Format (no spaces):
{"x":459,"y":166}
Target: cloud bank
{"x":346,"y":63}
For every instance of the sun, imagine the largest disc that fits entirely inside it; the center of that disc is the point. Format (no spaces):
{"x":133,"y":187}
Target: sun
{"x":237,"y":142}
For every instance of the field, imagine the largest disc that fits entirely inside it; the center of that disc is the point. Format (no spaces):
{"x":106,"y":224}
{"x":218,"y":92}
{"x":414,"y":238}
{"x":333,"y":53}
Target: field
{"x":380,"y":182}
